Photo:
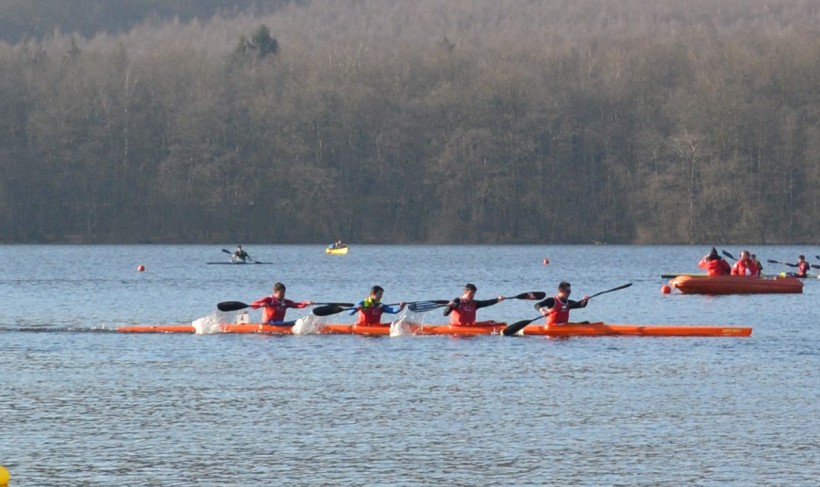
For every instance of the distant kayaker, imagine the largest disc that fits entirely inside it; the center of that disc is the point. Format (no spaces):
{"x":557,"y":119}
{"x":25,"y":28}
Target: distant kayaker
{"x":370,"y":309}
{"x":745,"y":266}
{"x":275,"y":306}
{"x":802,"y":267}
{"x":556,"y":309}
{"x":338,"y":245}
{"x":462,"y":310}
{"x":240,"y":254}
{"x":714,"y":264}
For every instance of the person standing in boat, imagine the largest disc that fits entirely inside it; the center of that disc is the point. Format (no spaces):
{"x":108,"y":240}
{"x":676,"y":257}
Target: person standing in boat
{"x":802,"y":267}
{"x":745,"y":266}
{"x":714,"y":264}
{"x":275,"y":306}
{"x":556,"y":309}
{"x":370,"y":309}
{"x":240,"y":254}
{"x":462,"y":310}
{"x":758,"y":265}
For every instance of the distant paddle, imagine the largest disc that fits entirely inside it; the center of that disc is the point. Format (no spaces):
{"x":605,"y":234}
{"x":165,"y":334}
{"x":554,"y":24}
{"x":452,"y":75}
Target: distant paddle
{"x":520,"y":325}
{"x":727,"y":254}
{"x":772,"y":261}
{"x":237,"y":305}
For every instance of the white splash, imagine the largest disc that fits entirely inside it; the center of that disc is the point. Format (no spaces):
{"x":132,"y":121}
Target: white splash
{"x":403,"y":325}
{"x":307,"y":325}
{"x":209,"y":325}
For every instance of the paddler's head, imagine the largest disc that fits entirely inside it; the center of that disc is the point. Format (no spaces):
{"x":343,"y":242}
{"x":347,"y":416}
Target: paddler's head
{"x":713,"y":254}
{"x":375,"y":297}
{"x":279,"y":290}
{"x":564,"y":289}
{"x":469,"y":291}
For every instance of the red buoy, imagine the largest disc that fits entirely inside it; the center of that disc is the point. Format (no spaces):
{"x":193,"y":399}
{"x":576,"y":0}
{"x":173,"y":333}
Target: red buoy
{"x":665,"y":289}
{"x":140,"y":268}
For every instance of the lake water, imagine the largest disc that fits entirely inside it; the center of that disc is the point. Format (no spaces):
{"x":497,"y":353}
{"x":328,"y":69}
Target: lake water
{"x":84,"y":405}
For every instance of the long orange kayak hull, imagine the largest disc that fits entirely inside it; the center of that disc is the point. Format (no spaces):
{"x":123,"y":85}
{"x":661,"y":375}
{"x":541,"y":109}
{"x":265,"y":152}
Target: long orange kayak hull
{"x":381,"y":329}
{"x":604,"y":329}
{"x":736,"y":285}
{"x":473,"y":329}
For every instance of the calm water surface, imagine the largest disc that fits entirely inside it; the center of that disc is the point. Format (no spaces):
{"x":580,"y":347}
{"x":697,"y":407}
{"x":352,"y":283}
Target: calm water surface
{"x":83,"y":405}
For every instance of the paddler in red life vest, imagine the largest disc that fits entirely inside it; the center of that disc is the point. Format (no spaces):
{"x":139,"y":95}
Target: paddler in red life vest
{"x":462,"y":310}
{"x":275,"y":306}
{"x":802,"y":267}
{"x":714,"y":264}
{"x":556,"y":309}
{"x":745,"y":266}
{"x":370,"y":309}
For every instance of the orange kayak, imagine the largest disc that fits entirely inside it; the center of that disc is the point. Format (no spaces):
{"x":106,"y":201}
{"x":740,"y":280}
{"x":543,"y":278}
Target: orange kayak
{"x":223,"y":328}
{"x":736,"y":285}
{"x":604,"y":329}
{"x":478,"y":328}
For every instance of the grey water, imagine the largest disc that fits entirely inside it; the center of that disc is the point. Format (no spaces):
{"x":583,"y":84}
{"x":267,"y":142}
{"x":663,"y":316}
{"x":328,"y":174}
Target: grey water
{"x":81,"y":404}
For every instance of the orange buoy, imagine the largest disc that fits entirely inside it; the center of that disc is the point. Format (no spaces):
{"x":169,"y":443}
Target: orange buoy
{"x":140,"y":268}
{"x":665,"y":289}
{"x":546,"y":261}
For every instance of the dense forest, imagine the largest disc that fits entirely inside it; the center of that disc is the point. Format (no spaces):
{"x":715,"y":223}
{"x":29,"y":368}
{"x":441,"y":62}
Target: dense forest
{"x":428,"y":121}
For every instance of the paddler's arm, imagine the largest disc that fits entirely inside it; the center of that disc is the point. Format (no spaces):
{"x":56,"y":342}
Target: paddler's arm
{"x":578,"y":304}
{"x":393,"y":310}
{"x":451,"y":306}
{"x":488,"y":302}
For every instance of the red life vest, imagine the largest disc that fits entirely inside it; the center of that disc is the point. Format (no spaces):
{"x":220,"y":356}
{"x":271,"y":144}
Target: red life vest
{"x":803,"y":269}
{"x":272,"y":308}
{"x":716,"y":267}
{"x":463,"y":313}
{"x":559,"y":314}
{"x":370,"y":314}
{"x":742,"y":268}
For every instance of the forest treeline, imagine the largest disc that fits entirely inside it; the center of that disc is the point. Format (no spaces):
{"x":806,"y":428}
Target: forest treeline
{"x":481,"y":121}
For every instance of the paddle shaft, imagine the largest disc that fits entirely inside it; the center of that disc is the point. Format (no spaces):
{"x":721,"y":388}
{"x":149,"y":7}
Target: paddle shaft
{"x":440,"y":303}
{"x":237,"y":305}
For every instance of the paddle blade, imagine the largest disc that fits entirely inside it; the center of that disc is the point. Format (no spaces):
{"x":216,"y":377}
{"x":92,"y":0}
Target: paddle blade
{"x":532,"y":295}
{"x":231,"y":306}
{"x":727,"y":254}
{"x":772,"y":261}
{"x":227,"y":251}
{"x":328,"y":310}
{"x":517,"y":326}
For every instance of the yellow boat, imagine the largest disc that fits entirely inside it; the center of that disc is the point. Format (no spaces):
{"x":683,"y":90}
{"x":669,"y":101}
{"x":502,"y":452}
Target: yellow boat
{"x":341,"y":251}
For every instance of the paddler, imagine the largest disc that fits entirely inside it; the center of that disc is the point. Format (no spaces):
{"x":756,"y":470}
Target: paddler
{"x":240,"y":254}
{"x":714,"y":264}
{"x":370,"y":309}
{"x":275,"y":306}
{"x":802,"y":267}
{"x":462,"y":310}
{"x":556,"y":309}
{"x":745,"y":266}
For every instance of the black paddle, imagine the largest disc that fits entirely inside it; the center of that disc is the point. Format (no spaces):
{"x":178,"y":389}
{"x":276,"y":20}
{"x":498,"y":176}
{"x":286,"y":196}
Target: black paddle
{"x":422,"y":306}
{"x":333,"y":308}
{"x":772,"y":261}
{"x":727,"y":254}
{"x":520,"y":325}
{"x":237,"y":305}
